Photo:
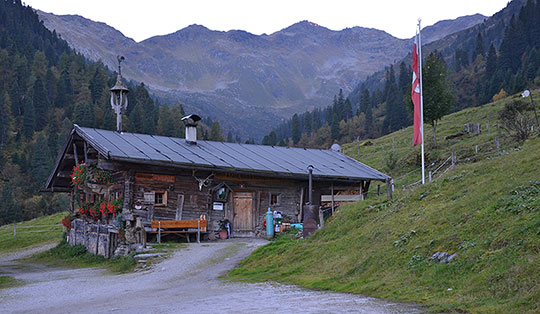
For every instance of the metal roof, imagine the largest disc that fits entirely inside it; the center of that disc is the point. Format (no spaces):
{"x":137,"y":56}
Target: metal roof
{"x":256,"y":159}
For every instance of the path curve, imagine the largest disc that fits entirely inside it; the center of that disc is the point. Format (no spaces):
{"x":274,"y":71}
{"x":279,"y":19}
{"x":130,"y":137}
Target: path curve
{"x":187,"y":282}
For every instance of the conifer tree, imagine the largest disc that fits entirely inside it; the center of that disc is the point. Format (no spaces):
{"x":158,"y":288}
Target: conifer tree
{"x":316,"y":120}
{"x":28,"y":118}
{"x":491,"y":62}
{"x":215,"y":132}
{"x":9,"y":211}
{"x":365,"y":101}
{"x":41,"y":104}
{"x":52,"y":138}
{"x":334,"y":127}
{"x":50,"y":86}
{"x":165,"y":125}
{"x":295,"y":129}
{"x":479,"y":47}
{"x":438,"y":99}
{"x":5,"y":118}
{"x":64,"y":90}
{"x":41,"y":160}
{"x":308,"y":123}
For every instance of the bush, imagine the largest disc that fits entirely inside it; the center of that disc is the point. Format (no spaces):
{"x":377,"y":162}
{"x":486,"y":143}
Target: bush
{"x":516,"y":119}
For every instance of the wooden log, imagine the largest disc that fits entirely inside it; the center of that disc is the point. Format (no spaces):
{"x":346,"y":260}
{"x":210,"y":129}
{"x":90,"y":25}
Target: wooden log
{"x":179,"y":207}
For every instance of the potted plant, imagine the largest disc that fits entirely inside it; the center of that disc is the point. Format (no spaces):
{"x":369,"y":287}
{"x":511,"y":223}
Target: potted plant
{"x":224,"y":228}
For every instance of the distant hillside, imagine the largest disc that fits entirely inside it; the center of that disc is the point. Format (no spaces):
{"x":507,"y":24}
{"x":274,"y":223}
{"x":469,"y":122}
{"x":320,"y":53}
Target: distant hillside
{"x":497,"y":57}
{"x":491,"y":28}
{"x":486,"y":211}
{"x":246,"y":81}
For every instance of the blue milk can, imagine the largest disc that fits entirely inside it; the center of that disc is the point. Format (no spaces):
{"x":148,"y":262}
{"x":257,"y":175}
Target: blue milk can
{"x":269,"y":224}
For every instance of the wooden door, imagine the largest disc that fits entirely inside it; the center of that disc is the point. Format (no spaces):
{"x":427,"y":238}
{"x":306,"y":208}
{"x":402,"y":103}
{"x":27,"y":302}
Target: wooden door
{"x":243,"y":212}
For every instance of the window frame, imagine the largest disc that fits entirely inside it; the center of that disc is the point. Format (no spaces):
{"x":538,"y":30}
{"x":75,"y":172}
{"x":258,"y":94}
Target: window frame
{"x":163,"y":194}
{"x":278,"y":199}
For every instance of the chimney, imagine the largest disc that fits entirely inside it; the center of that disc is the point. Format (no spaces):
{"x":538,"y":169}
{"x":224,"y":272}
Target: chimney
{"x":191,"y":122}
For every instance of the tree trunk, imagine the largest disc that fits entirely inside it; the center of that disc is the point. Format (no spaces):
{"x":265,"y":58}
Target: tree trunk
{"x":434,"y":135}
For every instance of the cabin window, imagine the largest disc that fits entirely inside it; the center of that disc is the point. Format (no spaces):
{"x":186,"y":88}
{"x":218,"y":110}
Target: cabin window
{"x":115,"y":195}
{"x":160,"y":198}
{"x":275,"y":199}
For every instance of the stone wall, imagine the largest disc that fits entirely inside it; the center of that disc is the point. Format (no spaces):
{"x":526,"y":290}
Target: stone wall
{"x":97,"y":238}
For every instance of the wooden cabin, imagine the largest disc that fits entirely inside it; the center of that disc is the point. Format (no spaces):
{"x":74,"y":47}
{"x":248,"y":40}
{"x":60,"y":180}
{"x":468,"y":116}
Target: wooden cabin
{"x":166,"y":178}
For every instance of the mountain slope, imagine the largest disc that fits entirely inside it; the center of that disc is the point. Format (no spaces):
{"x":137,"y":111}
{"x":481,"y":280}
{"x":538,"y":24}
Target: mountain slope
{"x":241,"y":78}
{"x":486,"y":210}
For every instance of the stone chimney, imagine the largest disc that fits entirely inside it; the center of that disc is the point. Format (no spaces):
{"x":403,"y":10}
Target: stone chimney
{"x":191,"y":122}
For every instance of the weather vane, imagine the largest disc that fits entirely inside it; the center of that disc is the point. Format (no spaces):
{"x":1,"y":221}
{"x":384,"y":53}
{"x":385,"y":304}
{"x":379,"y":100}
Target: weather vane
{"x":120,"y":59}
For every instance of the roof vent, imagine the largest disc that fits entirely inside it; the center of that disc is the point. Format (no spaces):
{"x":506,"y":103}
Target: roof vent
{"x":191,"y":122}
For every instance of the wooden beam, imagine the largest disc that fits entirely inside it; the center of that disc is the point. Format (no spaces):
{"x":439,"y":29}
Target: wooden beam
{"x":64,"y":174}
{"x":332,"y":192}
{"x":85,"y":152}
{"x":366,"y":188}
{"x":341,"y":198}
{"x":75,"y":154}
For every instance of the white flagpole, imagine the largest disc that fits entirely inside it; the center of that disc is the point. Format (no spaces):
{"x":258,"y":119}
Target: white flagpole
{"x":421,"y":98}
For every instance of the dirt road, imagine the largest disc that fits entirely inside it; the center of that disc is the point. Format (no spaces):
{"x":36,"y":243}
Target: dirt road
{"x":187,"y":282}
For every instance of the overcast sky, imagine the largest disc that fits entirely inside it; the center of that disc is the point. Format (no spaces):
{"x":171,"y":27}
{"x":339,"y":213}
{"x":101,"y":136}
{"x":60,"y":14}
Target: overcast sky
{"x":141,"y":19}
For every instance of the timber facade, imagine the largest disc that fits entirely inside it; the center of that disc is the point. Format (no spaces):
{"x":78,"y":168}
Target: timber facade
{"x":151,"y":178}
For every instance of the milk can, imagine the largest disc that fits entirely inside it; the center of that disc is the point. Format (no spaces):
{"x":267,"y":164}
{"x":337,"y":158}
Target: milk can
{"x":269,"y":224}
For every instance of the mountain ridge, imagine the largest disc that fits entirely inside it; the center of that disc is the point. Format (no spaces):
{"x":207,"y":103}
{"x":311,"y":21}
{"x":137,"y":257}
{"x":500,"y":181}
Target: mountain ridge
{"x":238,"y":77}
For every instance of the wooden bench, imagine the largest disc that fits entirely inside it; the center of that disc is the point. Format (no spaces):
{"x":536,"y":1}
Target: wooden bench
{"x":180,"y":227}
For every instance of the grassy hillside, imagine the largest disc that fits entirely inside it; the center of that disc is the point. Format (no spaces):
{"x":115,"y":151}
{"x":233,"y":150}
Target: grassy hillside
{"x":35,"y":232}
{"x":377,"y":153}
{"x":487,"y":210}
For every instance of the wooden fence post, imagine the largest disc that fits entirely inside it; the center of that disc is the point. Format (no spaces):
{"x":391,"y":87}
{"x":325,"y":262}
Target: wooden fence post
{"x":430,"y":176}
{"x":321,"y":218}
{"x":453,"y":158}
{"x":14,"y":230}
{"x":388,"y":189}
{"x":476,"y":149}
{"x":332,"y":191}
{"x":159,"y":232}
{"x":498,"y":144}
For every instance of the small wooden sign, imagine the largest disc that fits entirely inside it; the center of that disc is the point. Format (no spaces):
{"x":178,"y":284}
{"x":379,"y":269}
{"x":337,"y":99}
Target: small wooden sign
{"x":154,"y":177}
{"x":218,"y":206}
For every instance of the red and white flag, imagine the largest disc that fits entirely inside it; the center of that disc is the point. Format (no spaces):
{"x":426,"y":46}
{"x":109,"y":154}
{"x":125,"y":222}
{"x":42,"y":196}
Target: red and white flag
{"x":415,"y":95}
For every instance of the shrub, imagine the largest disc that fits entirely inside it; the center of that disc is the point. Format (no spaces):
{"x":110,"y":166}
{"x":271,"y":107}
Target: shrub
{"x":516,"y":119}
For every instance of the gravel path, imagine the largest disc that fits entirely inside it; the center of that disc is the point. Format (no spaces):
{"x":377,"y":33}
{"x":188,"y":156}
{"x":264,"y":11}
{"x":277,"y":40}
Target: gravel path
{"x":187,"y":282}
